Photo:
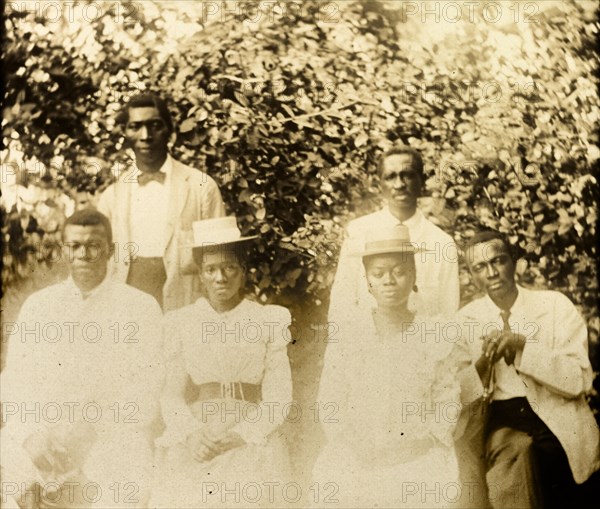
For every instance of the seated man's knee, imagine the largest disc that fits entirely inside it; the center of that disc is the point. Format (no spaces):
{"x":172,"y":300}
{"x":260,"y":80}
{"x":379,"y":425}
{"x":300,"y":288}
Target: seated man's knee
{"x":507,"y":445}
{"x":508,"y":476}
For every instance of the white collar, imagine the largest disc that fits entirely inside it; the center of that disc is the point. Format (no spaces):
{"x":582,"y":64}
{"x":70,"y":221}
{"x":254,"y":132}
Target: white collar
{"x":519,"y":302}
{"x":166,"y":168}
{"x":76,"y":291}
{"x":411,"y":223}
{"x":206,"y":307}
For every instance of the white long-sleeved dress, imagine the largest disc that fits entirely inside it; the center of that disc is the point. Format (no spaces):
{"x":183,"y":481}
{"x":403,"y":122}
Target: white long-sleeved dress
{"x":390,"y":442}
{"x":247,"y":344}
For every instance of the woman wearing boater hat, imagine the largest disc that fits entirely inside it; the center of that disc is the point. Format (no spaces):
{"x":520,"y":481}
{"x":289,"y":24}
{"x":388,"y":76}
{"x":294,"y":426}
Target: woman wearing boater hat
{"x":228,"y":386}
{"x":392,"y":379}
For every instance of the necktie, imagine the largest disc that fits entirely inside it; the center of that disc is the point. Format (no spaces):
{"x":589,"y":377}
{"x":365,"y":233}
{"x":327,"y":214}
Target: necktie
{"x":145,"y":177}
{"x":489,"y":386}
{"x":505,"y":313}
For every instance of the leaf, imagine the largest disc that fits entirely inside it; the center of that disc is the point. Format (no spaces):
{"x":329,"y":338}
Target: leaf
{"x":187,"y":125}
{"x":467,"y":137}
{"x":245,"y":196}
{"x":288,"y":110}
{"x":293,"y":275}
{"x":361,"y":139}
{"x":564,"y":228}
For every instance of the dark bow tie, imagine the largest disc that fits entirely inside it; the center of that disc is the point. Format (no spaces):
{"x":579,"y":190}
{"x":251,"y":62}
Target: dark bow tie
{"x":145,"y":177}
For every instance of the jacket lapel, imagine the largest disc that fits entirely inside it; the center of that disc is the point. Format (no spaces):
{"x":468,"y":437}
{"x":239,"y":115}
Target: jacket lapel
{"x":178,"y":196}
{"x":529,"y":310}
{"x":123,"y":206}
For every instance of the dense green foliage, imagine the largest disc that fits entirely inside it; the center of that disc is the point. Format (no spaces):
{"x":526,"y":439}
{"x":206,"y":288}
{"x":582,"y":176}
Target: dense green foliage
{"x":288,"y":108}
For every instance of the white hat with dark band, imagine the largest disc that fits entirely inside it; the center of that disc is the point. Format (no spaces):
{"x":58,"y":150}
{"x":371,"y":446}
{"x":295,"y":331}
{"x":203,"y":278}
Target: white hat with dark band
{"x":216,"y":232}
{"x":394,"y":239}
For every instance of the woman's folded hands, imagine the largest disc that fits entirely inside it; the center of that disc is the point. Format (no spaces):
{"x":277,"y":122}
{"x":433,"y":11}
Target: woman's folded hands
{"x":206,"y":443}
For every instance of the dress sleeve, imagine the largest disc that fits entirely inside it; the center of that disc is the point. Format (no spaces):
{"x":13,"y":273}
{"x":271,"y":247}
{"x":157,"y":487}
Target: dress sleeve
{"x":467,"y":350}
{"x":333,"y":386}
{"x":445,"y":400}
{"x":276,"y":382}
{"x":178,"y":417}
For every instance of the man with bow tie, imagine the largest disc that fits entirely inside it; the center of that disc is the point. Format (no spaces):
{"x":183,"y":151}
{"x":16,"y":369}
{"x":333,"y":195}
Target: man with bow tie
{"x":526,"y":354}
{"x":152,"y":207}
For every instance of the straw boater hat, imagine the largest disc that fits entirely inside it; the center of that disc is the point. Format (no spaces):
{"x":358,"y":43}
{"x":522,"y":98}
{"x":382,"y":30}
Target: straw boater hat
{"x":386,"y":240}
{"x":217,"y":232}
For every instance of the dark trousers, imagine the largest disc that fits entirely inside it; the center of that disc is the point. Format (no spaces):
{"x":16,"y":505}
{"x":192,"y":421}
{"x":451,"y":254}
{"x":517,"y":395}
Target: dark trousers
{"x":470,"y":454}
{"x":526,"y":465}
{"x":148,"y":275}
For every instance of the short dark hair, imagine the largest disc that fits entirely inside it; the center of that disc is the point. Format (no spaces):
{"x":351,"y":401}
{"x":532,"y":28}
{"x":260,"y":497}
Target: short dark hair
{"x":417,"y":160}
{"x":148,"y":100}
{"x":89,"y":217}
{"x":488,"y":235}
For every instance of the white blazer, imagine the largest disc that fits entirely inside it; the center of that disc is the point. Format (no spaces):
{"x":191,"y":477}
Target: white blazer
{"x":194,"y":195}
{"x":554,"y":366}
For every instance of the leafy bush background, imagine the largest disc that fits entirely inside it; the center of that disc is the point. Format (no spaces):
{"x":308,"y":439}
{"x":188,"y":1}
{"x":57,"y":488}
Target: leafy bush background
{"x":289,"y":112}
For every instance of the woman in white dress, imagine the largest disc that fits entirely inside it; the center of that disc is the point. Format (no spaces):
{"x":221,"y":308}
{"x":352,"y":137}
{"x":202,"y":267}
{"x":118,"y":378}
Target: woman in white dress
{"x":392,"y":378}
{"x":228,"y":387}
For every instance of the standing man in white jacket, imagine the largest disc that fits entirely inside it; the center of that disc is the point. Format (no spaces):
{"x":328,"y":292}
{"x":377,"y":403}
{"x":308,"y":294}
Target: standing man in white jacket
{"x":152,"y":206}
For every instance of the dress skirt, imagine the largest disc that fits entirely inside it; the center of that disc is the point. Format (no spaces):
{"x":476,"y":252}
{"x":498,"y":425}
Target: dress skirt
{"x":253,"y":475}
{"x":429,"y":481}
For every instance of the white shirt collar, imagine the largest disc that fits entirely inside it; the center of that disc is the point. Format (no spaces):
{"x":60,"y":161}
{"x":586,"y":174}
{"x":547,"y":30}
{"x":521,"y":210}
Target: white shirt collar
{"x":206,"y":308}
{"x":166,"y":168}
{"x":76,"y":291}
{"x":412,"y":222}
{"x":495,"y":310}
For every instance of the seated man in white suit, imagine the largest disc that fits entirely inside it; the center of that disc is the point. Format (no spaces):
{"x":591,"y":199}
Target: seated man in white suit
{"x":81,"y":385}
{"x":527,"y":357}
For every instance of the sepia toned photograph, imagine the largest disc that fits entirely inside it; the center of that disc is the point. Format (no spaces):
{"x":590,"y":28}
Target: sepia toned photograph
{"x":300,"y":254}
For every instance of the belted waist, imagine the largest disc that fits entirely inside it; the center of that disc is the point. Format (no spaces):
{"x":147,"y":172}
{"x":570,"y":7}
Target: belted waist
{"x":229,"y":390}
